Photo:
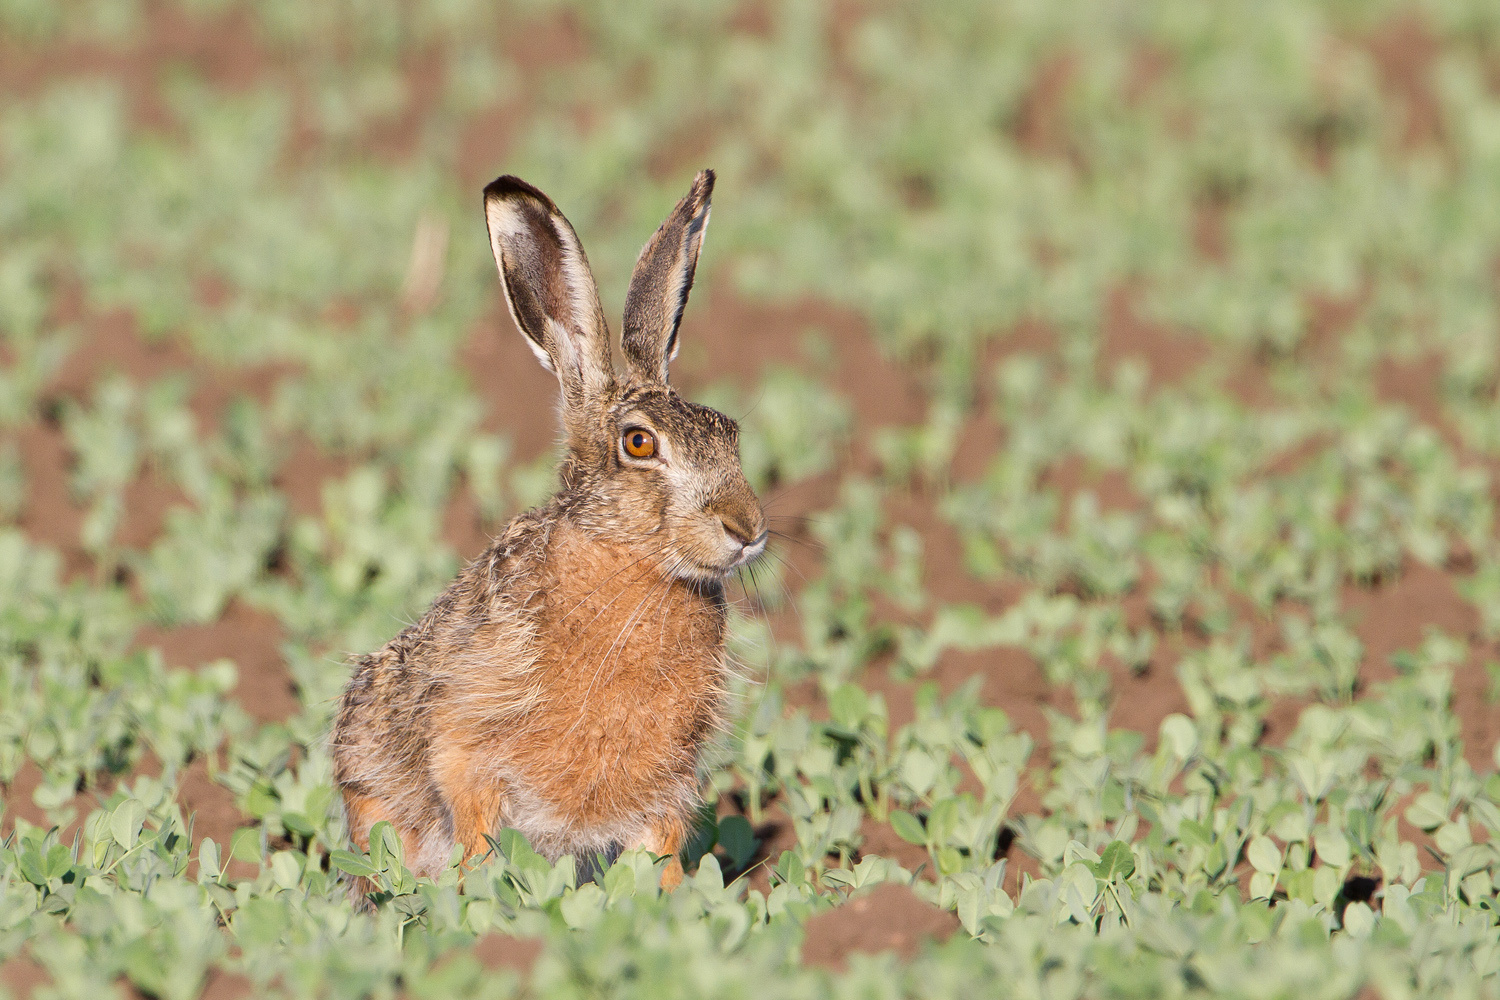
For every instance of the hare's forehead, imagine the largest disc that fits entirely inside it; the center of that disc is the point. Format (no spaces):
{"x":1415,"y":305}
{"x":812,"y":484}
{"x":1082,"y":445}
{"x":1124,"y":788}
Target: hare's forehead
{"x":699,"y":430}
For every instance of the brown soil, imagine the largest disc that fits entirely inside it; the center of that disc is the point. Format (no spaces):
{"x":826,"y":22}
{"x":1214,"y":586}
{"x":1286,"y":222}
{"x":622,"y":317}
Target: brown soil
{"x":50,"y":516}
{"x":211,"y":805}
{"x":1414,"y":384}
{"x":249,"y":637}
{"x":23,"y":976}
{"x":221,"y":985}
{"x":221,"y":48}
{"x":501,"y":951}
{"x":1405,"y":54}
{"x":112,"y":344}
{"x":1169,"y":356}
{"x":775,"y":833}
{"x":1040,"y":125}
{"x":888,"y":918}
{"x":880,"y":839}
{"x":726,"y":336}
{"x":304,"y":472}
{"x":1210,"y":229}
{"x":519,"y":396}
{"x":1397,"y":615}
{"x":1111,"y":487}
{"x":538,"y":47}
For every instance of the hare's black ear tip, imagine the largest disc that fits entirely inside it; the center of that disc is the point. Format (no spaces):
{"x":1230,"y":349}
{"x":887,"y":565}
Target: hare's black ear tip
{"x":509,"y":186}
{"x":703,"y":184}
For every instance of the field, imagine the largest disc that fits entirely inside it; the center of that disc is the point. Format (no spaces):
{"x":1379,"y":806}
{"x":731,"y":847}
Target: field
{"x":1120,"y":377}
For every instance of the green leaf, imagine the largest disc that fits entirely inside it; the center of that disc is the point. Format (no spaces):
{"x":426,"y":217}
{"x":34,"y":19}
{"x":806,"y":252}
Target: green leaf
{"x":908,"y":827}
{"x":1428,"y":811}
{"x":790,"y":869}
{"x":738,"y":839}
{"x":1359,"y":919}
{"x":209,"y":865}
{"x":1264,"y":855}
{"x":33,"y":867}
{"x":59,"y":860}
{"x":262,"y":800}
{"x":848,"y":705}
{"x":245,"y":845}
{"x":352,"y":864}
{"x":1116,"y":861}
{"x":298,"y":824}
{"x":286,"y":869}
{"x":385,"y":846}
{"x":838,"y":877}
{"x":125,"y":823}
{"x":619,"y":883}
{"x":583,"y":907}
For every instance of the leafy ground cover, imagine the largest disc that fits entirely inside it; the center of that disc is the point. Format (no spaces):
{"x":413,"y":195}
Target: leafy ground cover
{"x":1121,"y":378}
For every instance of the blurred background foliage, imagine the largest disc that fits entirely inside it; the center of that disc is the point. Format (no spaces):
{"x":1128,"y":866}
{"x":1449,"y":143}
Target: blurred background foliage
{"x":1121,"y":378}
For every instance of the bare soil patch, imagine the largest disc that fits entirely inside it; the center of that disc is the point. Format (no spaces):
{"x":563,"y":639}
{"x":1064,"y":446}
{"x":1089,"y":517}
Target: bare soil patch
{"x":221,"y":47}
{"x":1398,"y":615}
{"x":246,"y":635}
{"x":1405,"y":53}
{"x":23,"y":975}
{"x":520,"y":397}
{"x":1169,"y":356}
{"x":538,"y":47}
{"x":304,"y":472}
{"x":50,"y":516}
{"x":1040,"y":126}
{"x":221,"y":985}
{"x":880,"y":839}
{"x":888,"y":918}
{"x":1414,"y":383}
{"x":501,"y":951}
{"x":728,"y":336}
{"x":211,"y":805}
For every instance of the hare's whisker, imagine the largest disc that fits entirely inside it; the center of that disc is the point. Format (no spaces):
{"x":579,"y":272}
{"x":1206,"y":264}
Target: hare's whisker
{"x":806,"y":543}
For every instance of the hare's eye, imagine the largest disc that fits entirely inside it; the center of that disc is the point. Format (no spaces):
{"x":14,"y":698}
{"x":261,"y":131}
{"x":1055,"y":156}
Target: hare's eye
{"x":639,"y":443}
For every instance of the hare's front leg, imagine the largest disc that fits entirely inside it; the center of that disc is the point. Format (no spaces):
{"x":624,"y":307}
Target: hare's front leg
{"x":475,"y":803}
{"x":664,"y":839}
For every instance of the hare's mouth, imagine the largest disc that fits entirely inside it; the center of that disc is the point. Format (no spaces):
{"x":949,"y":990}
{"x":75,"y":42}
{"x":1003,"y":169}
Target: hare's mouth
{"x":733,"y":553}
{"x":750,"y":551}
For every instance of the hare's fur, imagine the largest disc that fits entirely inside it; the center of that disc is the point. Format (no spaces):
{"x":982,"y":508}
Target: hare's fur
{"x":566,"y":682}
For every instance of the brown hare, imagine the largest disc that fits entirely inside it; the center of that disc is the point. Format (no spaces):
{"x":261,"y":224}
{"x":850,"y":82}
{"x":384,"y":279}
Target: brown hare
{"x":566,"y":682}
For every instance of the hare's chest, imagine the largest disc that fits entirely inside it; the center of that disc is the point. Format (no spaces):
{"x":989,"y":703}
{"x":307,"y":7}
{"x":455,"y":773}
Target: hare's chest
{"x":632,"y":666}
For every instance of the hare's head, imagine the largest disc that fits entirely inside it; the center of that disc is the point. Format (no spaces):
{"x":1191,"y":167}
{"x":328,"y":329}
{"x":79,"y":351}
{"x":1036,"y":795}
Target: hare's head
{"x":643,"y":465}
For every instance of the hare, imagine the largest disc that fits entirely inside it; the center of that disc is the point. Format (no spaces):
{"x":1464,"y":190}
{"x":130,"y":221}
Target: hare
{"x":566,"y":682}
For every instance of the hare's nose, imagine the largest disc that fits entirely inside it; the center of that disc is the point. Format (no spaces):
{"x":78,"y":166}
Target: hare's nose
{"x":748,"y":537}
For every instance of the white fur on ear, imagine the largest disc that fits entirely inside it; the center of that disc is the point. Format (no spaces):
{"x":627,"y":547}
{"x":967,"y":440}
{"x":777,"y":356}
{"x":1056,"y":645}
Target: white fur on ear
{"x":549,"y":287}
{"x":564,"y":353}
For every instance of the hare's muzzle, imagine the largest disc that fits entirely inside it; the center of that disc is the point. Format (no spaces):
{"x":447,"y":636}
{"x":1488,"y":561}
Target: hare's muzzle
{"x":742,"y":523}
{"x":751,"y":541}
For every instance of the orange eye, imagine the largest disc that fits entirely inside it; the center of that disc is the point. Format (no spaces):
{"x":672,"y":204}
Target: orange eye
{"x":639,"y":443}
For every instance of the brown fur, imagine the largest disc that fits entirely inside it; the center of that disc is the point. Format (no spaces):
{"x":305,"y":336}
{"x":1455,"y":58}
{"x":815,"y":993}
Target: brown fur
{"x":566,"y":683}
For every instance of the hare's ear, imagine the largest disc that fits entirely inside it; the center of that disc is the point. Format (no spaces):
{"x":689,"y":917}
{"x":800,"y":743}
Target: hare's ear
{"x":659,"y":288}
{"x":549,"y":287}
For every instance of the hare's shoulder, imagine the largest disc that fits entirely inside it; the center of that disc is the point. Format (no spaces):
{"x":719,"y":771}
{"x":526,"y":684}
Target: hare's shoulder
{"x":516,"y":553}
